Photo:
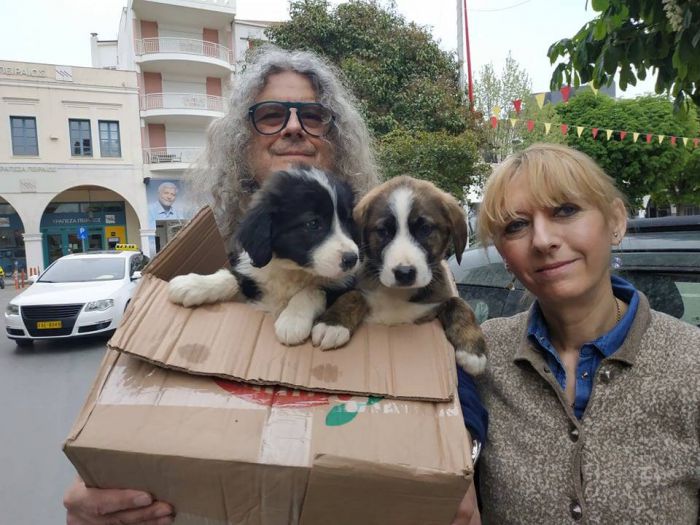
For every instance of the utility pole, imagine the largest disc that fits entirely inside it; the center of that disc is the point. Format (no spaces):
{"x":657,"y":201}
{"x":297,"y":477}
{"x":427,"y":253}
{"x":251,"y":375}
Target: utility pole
{"x":469,"y":57}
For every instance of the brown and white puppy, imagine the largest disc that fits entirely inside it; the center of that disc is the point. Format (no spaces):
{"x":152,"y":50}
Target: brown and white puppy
{"x":406,"y":226}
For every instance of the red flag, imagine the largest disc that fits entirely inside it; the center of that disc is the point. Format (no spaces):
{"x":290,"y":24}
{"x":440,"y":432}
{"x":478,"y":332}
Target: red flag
{"x":623,"y":134}
{"x":494,"y":122}
{"x":649,"y":138}
{"x":565,"y":93}
{"x":564,"y":129}
{"x":595,"y":132}
{"x":673,"y":141}
{"x":531,"y":126}
{"x":695,"y":142}
{"x":518,"y":105}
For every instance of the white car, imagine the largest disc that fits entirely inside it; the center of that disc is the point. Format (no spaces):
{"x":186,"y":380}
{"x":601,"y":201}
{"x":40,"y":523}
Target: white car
{"x":79,"y":294}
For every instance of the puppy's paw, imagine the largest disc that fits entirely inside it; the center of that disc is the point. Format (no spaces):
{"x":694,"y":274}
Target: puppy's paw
{"x":194,"y":289}
{"x":329,"y":336}
{"x":292,"y":328}
{"x":470,"y":362}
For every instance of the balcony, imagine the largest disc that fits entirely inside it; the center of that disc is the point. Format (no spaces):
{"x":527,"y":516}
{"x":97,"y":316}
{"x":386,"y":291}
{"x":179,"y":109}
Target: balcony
{"x":169,"y":159}
{"x":178,"y":55}
{"x":194,"y":13}
{"x":181,"y":108}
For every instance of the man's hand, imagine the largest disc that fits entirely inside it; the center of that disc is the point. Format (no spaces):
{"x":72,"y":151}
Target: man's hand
{"x":468,"y":511}
{"x":113,"y":507}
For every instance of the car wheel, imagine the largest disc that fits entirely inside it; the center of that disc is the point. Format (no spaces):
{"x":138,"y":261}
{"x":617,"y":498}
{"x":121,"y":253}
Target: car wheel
{"x":24,"y":343}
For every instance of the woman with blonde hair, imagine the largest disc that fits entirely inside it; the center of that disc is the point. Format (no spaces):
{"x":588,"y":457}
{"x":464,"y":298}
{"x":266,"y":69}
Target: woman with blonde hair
{"x":593,"y":398}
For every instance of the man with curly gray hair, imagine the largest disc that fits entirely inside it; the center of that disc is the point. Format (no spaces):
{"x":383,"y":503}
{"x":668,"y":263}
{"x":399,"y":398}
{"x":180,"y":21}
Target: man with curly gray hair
{"x":242,"y":149}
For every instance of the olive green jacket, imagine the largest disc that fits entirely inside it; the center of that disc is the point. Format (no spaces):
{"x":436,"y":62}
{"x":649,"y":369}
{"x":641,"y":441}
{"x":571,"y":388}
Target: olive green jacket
{"x":634,"y":457}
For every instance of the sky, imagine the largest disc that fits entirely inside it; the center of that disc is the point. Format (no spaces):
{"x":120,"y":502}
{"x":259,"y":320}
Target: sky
{"x":58,"y":31}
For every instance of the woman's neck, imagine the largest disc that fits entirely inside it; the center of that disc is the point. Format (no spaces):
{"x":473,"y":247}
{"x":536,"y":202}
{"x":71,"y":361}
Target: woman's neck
{"x":573,"y":324}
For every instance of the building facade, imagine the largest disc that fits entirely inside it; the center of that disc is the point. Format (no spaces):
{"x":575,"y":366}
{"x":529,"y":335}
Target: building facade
{"x":71,"y":164}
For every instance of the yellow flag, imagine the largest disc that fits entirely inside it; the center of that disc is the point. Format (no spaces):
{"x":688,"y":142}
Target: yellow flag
{"x":608,"y":132}
{"x":661,"y":138}
{"x":547,"y":125}
{"x":685,"y":141}
{"x":595,"y":90}
{"x":496,"y":111}
{"x":513,"y":122}
{"x":579,"y":130}
{"x":635,"y":136}
{"x":540,"y":99}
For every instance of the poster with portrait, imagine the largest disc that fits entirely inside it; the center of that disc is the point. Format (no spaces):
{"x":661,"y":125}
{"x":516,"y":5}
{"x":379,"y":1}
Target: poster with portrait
{"x":168,"y":201}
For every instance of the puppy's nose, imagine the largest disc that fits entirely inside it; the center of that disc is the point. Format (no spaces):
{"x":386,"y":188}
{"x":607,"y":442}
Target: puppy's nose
{"x":348,"y":261}
{"x":405,"y":275}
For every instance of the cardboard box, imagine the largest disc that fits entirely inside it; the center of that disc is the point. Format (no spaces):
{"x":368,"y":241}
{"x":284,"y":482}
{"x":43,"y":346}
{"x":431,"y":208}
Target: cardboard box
{"x":371,"y":433}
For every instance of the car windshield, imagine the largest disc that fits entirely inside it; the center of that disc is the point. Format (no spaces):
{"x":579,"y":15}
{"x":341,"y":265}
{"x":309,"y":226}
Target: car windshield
{"x":81,"y":270}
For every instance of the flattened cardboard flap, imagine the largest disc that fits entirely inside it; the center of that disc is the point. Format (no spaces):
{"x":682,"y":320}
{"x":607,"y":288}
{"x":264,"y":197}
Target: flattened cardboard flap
{"x":234,"y":341}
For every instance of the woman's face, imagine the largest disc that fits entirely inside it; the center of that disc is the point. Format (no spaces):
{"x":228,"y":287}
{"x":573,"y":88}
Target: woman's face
{"x":560,"y":254}
{"x":292,"y":145}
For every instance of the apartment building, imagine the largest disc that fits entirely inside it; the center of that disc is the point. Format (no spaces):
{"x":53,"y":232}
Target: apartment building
{"x":70,"y":163}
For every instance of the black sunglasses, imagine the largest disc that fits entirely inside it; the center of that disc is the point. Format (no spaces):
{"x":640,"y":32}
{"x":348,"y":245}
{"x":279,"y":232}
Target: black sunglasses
{"x":271,"y":116}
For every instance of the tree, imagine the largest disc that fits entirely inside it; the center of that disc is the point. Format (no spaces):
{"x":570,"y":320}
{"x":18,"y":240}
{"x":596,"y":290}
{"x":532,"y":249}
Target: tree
{"x":405,"y":83}
{"x":662,"y":170}
{"x":633,"y":36}
{"x":492,"y":91}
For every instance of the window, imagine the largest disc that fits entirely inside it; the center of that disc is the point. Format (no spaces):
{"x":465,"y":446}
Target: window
{"x":80,"y":138}
{"x":24,"y":140}
{"x":110,"y":145}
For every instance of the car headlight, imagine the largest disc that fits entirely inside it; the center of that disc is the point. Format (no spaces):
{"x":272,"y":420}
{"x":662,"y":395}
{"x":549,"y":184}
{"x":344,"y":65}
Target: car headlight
{"x":12,"y":309}
{"x":99,"y":306}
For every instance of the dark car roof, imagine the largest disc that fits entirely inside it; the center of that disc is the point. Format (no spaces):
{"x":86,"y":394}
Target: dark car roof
{"x":668,"y":243}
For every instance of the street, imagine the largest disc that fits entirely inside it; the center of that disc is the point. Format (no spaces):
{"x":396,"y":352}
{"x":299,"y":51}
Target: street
{"x":41,"y":388}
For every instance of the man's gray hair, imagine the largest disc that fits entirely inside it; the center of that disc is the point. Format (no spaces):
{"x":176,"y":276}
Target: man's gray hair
{"x":167,"y":186}
{"x":224,"y":171}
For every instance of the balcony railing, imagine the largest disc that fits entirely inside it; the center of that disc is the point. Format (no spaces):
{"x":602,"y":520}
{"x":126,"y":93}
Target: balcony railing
{"x":186,"y":46}
{"x":170,"y":155}
{"x":182,"y":101}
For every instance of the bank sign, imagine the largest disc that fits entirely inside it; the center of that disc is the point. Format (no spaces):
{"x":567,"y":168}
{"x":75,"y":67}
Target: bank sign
{"x":22,"y":70}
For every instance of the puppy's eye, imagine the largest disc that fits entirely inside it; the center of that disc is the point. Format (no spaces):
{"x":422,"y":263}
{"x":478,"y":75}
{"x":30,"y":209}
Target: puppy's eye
{"x":313,"y":225}
{"x":424,"y":229}
{"x":382,"y":232}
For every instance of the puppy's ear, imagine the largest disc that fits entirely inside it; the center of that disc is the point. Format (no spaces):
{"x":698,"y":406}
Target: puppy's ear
{"x":255,"y":234}
{"x":458,"y":222}
{"x":359,"y":216}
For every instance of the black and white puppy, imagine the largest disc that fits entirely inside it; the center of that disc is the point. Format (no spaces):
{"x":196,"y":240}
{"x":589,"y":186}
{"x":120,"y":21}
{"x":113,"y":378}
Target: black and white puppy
{"x":406,"y":226}
{"x":293,"y":247}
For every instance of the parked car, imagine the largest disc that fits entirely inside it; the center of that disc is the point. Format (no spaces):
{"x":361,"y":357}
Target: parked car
{"x":661,"y":257}
{"x":78,"y":295}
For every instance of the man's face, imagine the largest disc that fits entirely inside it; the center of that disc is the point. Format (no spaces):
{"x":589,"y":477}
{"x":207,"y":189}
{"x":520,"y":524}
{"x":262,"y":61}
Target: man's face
{"x":167,"y":196}
{"x":292,"y":145}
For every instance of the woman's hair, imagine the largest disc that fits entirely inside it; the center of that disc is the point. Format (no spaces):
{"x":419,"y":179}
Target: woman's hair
{"x":223,"y":176}
{"x":555,"y":175}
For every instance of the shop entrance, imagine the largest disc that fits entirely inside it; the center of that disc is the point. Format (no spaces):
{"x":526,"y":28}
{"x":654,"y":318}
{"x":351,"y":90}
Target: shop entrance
{"x":62,"y":241}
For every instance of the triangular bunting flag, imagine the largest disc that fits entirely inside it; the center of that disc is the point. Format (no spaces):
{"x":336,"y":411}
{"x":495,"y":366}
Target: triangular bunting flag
{"x":673,"y":141}
{"x":496,"y":111}
{"x":635,"y":136}
{"x":695,"y":142}
{"x":685,"y":141}
{"x":623,"y":134}
{"x":494,"y":122}
{"x":564,"y":128}
{"x":565,"y":93}
{"x":661,"y":138}
{"x":649,"y":135}
{"x":518,"y":104}
{"x":540,"y":99}
{"x":530,"y":125}
{"x":595,"y":132}
{"x":513,"y":122}
{"x":547,"y":125}
{"x":579,"y":130}
{"x":608,"y":133}
{"x":595,"y":90}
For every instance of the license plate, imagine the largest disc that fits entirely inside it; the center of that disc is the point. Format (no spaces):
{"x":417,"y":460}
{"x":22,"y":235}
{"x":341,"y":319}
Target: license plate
{"x":47,"y":325}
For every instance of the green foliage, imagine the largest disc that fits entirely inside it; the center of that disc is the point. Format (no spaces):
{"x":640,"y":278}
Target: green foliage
{"x":548,"y":113}
{"x":661,"y":170}
{"x":630,"y":37}
{"x":407,"y":86}
{"x":449,"y":161}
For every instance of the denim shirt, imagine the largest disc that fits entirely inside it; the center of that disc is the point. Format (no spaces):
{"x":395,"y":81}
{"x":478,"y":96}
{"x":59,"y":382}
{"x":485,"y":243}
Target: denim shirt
{"x":592,"y":353}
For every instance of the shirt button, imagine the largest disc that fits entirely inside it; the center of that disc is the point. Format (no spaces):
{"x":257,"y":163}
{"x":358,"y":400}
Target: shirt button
{"x":546,"y":369}
{"x":584,"y":375}
{"x":574,"y":434}
{"x":576,"y":510}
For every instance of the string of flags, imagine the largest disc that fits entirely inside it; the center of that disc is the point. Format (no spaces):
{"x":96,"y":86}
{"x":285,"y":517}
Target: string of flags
{"x":564,"y":128}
